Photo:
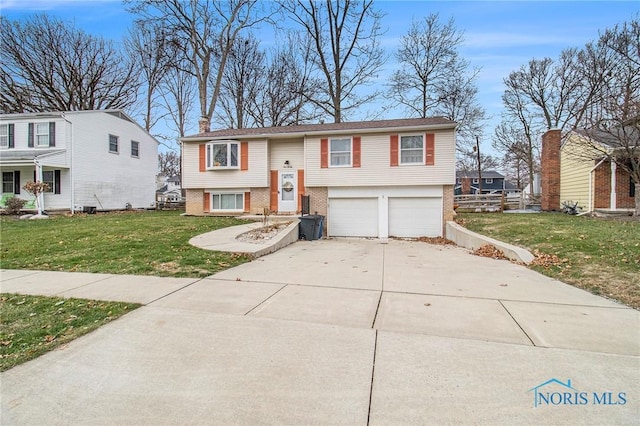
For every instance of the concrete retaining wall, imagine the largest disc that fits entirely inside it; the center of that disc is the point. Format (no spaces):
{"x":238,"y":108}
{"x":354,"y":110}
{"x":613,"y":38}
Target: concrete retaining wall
{"x":471,"y":240}
{"x":283,"y":239}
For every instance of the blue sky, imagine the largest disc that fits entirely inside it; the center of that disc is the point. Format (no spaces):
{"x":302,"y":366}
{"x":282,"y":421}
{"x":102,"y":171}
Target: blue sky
{"x":499,"y":35}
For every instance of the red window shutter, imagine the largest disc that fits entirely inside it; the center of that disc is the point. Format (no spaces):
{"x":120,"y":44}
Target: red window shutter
{"x":247,"y":202}
{"x":324,"y":153}
{"x":207,"y":202}
{"x":356,"y":151}
{"x":430,"y":143}
{"x":244,"y":155}
{"x":300,"y":188}
{"x":273,"y":204}
{"x":202,"y":157}
{"x":393,"y":151}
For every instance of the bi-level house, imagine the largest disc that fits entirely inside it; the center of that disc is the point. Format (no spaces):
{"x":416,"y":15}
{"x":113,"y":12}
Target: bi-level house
{"x":91,"y":159}
{"x":370,"y":179}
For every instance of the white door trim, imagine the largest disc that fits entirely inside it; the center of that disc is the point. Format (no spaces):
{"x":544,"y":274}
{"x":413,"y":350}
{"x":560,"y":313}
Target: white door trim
{"x":288,"y":190}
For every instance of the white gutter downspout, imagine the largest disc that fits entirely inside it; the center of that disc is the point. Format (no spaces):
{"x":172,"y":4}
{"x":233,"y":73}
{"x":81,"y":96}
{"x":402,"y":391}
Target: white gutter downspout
{"x":73,"y":195}
{"x":591,"y":201}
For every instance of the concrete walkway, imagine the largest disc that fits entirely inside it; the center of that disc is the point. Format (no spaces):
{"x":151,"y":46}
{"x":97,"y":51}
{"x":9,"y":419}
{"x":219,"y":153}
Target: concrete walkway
{"x":350,"y":332}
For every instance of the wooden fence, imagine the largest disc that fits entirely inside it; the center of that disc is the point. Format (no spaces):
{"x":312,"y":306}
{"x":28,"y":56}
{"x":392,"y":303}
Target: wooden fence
{"x":493,"y":202}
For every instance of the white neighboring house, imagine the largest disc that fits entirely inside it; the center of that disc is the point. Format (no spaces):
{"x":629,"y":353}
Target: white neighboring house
{"x":170,"y":189}
{"x":90,"y":159}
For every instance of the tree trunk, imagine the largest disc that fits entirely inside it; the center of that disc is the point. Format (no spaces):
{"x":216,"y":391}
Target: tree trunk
{"x":637,"y":196}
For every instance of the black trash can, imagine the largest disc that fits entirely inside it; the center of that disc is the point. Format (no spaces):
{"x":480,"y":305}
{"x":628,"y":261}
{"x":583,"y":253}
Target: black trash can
{"x":311,"y":227}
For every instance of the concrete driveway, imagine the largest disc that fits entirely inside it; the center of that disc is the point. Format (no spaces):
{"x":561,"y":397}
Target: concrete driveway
{"x":337,"y":332}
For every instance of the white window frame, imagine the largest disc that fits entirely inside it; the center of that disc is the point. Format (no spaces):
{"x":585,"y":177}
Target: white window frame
{"x":237,"y":196}
{"x":4,"y":136}
{"x":40,"y":136}
{"x":117,"y":139}
{"x":213,"y":161}
{"x":400,"y":150}
{"x":476,"y":180}
{"x":336,"y":152}
{"x":137,"y":149}
{"x":488,"y":180}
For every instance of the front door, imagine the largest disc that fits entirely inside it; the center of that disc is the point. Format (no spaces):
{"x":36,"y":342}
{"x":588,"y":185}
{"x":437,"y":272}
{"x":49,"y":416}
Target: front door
{"x":288,"y":188}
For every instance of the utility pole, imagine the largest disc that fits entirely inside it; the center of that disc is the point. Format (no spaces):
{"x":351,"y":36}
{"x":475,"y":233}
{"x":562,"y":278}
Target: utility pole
{"x":477,"y":150}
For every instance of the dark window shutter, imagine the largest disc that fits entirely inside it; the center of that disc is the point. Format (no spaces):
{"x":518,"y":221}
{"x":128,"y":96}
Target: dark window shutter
{"x":52,"y":135}
{"x":16,"y":181}
{"x":12,"y":143}
{"x":56,"y":182}
{"x":30,"y":138}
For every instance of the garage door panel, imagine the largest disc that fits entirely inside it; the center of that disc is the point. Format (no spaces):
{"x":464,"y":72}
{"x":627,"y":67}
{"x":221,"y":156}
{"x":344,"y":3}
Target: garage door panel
{"x":415,"y":217}
{"x":353,"y":217}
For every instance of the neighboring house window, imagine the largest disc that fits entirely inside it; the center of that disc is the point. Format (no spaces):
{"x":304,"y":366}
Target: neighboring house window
{"x":222,"y":155}
{"x":42,"y":134}
{"x":412,"y":149}
{"x":8,"y":183}
{"x":489,"y":180}
{"x":113,"y":144}
{"x":227,"y":202}
{"x":476,"y":180}
{"x":135,"y":149}
{"x":48,"y":178}
{"x":4,"y":136}
{"x":340,"y":152}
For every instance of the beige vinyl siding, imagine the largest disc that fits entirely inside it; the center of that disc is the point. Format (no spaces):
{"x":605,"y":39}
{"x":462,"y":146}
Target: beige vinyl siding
{"x":574,"y":172}
{"x":255,"y":176}
{"x":375,"y":166}
{"x":286,"y":150}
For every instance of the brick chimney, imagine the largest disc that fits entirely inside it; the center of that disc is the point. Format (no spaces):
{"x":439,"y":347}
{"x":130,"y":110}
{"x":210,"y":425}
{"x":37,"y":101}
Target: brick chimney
{"x":466,"y":185}
{"x":204,"y":125}
{"x":550,"y":170}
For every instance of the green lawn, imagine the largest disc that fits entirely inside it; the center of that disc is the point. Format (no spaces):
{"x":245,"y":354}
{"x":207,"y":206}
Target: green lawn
{"x":598,"y":255}
{"x":142,"y":243}
{"x":33,"y":325}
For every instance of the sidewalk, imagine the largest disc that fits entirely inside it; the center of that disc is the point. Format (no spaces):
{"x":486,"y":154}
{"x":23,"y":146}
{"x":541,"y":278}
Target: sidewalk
{"x":335,"y":332}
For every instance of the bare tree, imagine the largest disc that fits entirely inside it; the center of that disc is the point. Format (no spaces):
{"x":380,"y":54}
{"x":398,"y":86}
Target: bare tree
{"x":178,"y":90}
{"x":612,"y":128}
{"x":47,"y":64}
{"x":520,"y":152}
{"x":428,"y":58}
{"x":242,"y":81}
{"x":206,"y":30}
{"x":346,"y":50}
{"x":287,"y":85}
{"x":169,"y":164}
{"x":153,"y":48}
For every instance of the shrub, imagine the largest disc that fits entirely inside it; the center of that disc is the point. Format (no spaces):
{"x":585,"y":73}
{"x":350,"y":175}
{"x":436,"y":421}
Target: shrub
{"x":14,"y":205}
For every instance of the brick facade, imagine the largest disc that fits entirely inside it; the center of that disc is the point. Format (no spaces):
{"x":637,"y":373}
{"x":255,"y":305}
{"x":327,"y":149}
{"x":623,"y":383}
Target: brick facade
{"x":466,"y":186}
{"x":318,"y":199}
{"x":602,"y":188}
{"x":260,"y":199}
{"x":447,"y":206}
{"x":195,"y":202}
{"x":550,"y":170}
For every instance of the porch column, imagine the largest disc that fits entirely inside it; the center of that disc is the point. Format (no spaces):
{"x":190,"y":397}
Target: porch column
{"x":40,"y":200}
{"x":612,"y":202}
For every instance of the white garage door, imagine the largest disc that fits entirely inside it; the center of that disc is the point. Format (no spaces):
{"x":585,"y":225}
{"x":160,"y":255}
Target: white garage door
{"x":353,"y":217}
{"x":415,"y":217}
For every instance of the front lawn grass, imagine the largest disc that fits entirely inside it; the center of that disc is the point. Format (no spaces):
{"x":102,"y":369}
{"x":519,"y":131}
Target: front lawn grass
{"x":141,"y":243}
{"x":598,"y":255}
{"x":33,"y":325}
